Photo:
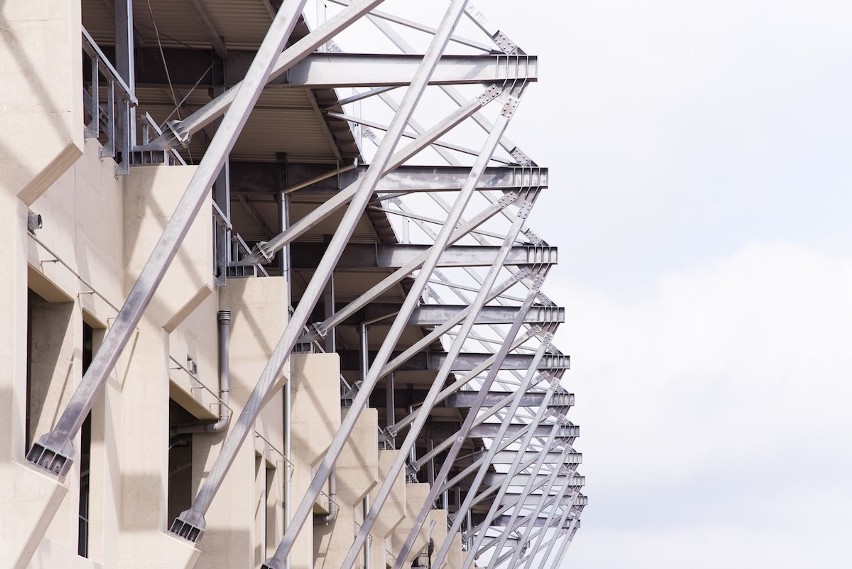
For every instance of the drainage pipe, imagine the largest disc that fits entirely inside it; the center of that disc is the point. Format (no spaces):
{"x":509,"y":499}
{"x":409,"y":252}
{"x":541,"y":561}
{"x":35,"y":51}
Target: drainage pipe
{"x":224,"y":334}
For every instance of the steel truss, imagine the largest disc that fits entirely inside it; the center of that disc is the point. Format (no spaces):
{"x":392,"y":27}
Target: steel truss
{"x":526,"y":473}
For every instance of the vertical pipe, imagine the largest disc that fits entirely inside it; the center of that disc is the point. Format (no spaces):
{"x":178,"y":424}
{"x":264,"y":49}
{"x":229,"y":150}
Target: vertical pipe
{"x":125,"y":65}
{"x":390,"y":400}
{"x":288,"y":450}
{"x":328,"y":301}
{"x":430,"y":464}
{"x":365,"y":351}
{"x":368,"y":562}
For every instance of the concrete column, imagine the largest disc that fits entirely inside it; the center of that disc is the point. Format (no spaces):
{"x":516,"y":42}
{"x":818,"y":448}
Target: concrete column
{"x":28,"y":497}
{"x":142,"y":375}
{"x":258,"y":315}
{"x":41,"y":87}
{"x":316,"y":418}
{"x":357,"y":474}
{"x":415,"y":495}
{"x":392,"y":513}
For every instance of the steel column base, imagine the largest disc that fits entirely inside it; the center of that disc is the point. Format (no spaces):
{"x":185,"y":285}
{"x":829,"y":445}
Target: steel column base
{"x":187,"y":530}
{"x":55,"y":461}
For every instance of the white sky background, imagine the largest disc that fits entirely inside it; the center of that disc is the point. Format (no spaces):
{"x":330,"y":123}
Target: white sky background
{"x":699,"y":155}
{"x":700,"y":197}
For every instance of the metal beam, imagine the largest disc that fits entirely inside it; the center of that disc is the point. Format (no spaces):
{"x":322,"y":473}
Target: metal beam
{"x":456,"y":346}
{"x":437,"y":314}
{"x":380,"y":163}
{"x":210,"y":30}
{"x":450,"y":178}
{"x":522,"y":479}
{"x":506,"y":457}
{"x":359,"y":256}
{"x":432,"y":361}
{"x":490,"y":430}
{"x":448,"y":429}
{"x":265,"y":251}
{"x":464,"y":399}
{"x":494,"y":453}
{"x":336,"y":70}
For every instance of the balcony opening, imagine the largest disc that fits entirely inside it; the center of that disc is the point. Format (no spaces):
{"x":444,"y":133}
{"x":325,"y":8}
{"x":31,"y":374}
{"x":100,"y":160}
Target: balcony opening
{"x":85,"y":460}
{"x":180,"y":462}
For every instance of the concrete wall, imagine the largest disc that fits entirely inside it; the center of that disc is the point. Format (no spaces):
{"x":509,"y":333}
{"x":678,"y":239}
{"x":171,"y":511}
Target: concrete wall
{"x":315,"y":390}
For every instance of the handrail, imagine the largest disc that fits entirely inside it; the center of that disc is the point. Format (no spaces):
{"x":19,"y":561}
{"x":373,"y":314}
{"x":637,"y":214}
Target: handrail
{"x":94,"y":51}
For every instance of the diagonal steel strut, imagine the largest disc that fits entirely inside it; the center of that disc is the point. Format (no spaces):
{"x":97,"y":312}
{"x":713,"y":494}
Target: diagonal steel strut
{"x":380,"y":161}
{"x":190,"y":524}
{"x":486,"y":384}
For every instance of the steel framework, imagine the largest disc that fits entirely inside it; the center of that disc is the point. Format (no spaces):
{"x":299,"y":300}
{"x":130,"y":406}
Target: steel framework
{"x":473,"y":272}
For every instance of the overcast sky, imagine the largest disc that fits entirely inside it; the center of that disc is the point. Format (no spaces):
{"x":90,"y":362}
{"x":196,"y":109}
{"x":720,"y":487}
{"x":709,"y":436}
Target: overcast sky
{"x":700,"y":197}
{"x":699,"y":155}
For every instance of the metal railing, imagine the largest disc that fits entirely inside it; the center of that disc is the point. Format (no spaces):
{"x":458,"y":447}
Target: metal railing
{"x":109,"y":107}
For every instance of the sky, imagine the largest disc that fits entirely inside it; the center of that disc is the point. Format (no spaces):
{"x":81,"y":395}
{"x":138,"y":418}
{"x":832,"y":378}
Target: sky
{"x":699,"y":157}
{"x":700,"y":172}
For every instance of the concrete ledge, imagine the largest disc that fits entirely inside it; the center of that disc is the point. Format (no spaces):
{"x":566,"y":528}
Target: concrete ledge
{"x":29,"y":499}
{"x":161,"y":550}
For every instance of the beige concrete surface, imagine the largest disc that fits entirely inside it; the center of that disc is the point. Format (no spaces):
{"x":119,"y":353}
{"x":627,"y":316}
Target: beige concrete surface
{"x":41,"y":110}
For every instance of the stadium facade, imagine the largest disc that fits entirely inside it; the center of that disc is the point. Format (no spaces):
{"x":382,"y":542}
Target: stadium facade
{"x":270,"y":297}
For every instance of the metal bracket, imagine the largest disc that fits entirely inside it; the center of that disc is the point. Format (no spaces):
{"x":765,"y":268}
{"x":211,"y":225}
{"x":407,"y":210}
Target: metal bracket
{"x":507,"y":199}
{"x":182,"y":135}
{"x":53,"y":460}
{"x":489,"y":95}
{"x":534,"y":238}
{"x":520,"y":157}
{"x":504,"y":43}
{"x":521,"y":274}
{"x":183,"y":527}
{"x":509,"y":106}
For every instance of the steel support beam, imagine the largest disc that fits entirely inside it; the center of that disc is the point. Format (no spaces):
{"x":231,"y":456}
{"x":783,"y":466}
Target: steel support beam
{"x":54,"y":451}
{"x":459,"y":383}
{"x":502,"y":353}
{"x":449,"y":434}
{"x":490,"y":430}
{"x":450,"y":178}
{"x":380,"y":162}
{"x":493,"y":453}
{"x":266,"y":251}
{"x":191,"y":523}
{"x":329,"y":70}
{"x":477,"y":169}
{"x":434,"y":361}
{"x":464,"y":399}
{"x":552,"y":457}
{"x":522,"y":479}
{"x":368,"y":256}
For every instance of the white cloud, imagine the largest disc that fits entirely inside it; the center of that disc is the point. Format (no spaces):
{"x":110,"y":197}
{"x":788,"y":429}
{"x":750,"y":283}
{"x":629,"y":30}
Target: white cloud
{"x":715,"y":416}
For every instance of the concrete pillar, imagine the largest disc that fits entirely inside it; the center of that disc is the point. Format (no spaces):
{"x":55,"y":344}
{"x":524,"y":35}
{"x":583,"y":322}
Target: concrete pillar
{"x":415,"y":496}
{"x":41,"y":89}
{"x":392,"y":513}
{"x":258,"y":315}
{"x":27,"y":496}
{"x":142,"y":374}
{"x":315,"y":391}
{"x":357,"y":474}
